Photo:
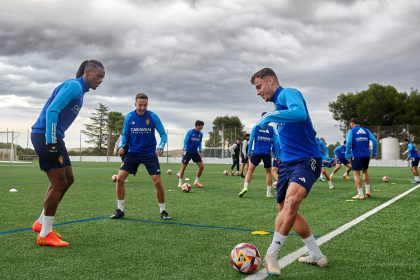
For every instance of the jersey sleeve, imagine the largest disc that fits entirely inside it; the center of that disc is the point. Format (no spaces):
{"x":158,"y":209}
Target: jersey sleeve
{"x":161,"y":130}
{"x":125,"y":134}
{"x":276,"y":145}
{"x":374,"y":144}
{"x":186,"y":139}
{"x":349,"y":140}
{"x":200,"y":147}
{"x":295,"y":110}
{"x":251,"y":140}
{"x":65,"y":95}
{"x":337,"y":150}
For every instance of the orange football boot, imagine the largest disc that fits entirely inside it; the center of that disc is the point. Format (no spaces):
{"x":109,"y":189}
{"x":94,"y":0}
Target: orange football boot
{"x":51,"y":240}
{"x":36,"y":227}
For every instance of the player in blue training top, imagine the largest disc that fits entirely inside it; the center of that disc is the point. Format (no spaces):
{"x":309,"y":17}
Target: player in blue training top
{"x":138,"y":146}
{"x":192,"y":150}
{"x":340,"y":158}
{"x":414,"y":157}
{"x":59,"y":112}
{"x":262,"y":143}
{"x":358,"y":146}
{"x":299,"y":168}
{"x":326,"y":161}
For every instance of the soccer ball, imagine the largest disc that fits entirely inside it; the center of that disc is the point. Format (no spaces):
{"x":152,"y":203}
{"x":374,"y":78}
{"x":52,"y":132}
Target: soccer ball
{"x":186,"y":187}
{"x":114,"y":178}
{"x":226,"y":172}
{"x":245,"y":258}
{"x":385,"y":179}
{"x":169,"y":171}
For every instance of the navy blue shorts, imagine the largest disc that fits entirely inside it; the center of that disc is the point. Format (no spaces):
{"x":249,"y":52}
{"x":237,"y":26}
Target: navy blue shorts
{"x":256,"y":159}
{"x":276,"y":163}
{"x":191,"y":156}
{"x":343,"y":161}
{"x":360,"y":163}
{"x":415,"y":162}
{"x":132,"y":162}
{"x":303,"y":172}
{"x":40,"y":146}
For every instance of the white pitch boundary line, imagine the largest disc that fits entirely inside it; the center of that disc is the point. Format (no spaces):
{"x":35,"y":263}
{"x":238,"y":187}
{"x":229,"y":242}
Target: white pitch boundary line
{"x":288,"y":259}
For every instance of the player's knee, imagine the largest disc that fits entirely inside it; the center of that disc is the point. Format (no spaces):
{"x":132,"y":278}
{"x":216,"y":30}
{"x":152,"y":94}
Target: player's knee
{"x":120,"y":180}
{"x":70,"y":181}
{"x":292,"y":203}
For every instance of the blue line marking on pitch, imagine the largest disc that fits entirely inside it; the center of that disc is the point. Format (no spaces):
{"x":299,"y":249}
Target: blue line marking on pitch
{"x":56,"y":225}
{"x":140,"y":221}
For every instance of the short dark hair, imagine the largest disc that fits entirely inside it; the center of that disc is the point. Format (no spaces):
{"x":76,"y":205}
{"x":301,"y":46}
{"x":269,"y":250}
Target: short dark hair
{"x":88,"y":64}
{"x":198,"y":122}
{"x":354,"y":120}
{"x":406,"y":140}
{"x":345,"y":141}
{"x":247,"y":135}
{"x":263,"y":113}
{"x":261,"y":74}
{"x":141,"y":95}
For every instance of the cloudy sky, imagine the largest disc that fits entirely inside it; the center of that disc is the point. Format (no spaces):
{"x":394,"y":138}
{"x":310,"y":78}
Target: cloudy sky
{"x":194,"y":58}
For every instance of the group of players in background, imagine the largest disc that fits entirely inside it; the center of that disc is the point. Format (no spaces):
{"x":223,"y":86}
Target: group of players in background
{"x":297,"y":154}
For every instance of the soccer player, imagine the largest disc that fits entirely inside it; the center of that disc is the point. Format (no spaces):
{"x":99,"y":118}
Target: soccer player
{"x":414,"y":157}
{"x":235,"y":149}
{"x":326,"y":161}
{"x":340,"y":158}
{"x":244,"y":155}
{"x":192,"y":150}
{"x":261,"y":143}
{"x":299,"y":168}
{"x":358,"y":146}
{"x":139,"y":135}
{"x":59,"y":112}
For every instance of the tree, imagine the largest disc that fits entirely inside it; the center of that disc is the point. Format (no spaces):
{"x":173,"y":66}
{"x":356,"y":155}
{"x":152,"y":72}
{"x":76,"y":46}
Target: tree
{"x":115,"y":124}
{"x":375,"y":107}
{"x":230,"y":126}
{"x":96,"y":131}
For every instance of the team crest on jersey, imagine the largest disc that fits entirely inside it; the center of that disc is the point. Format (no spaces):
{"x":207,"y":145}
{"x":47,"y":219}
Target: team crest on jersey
{"x":147,"y":121}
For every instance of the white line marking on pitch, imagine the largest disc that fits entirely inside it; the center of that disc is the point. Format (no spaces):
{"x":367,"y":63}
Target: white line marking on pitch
{"x":288,"y":259}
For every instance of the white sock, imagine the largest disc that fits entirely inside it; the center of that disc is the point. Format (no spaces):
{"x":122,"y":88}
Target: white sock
{"x":367,"y":188}
{"x":359,"y":191}
{"x":162,"y":207}
{"x":47,"y":223}
{"x":121,"y":204}
{"x":416,"y":178}
{"x":41,"y":217}
{"x":331,"y":175}
{"x":197,"y":180}
{"x":268,"y":190}
{"x":321,"y":176}
{"x":180,"y":181}
{"x":246,"y":184}
{"x":313,"y":248}
{"x":330,"y":183}
{"x":276,"y":244}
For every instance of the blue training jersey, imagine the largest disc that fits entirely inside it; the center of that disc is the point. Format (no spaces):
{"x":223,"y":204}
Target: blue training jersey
{"x":412,"y":151}
{"x":61,"y":109}
{"x":192,"y":141}
{"x":340,"y":151}
{"x":297,"y":135}
{"x":358,"y":142}
{"x":263,"y":141}
{"x":323,"y":149}
{"x":139,"y":133}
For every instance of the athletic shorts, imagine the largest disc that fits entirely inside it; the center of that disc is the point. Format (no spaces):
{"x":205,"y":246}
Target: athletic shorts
{"x":415,"y":162}
{"x":343,"y":161}
{"x":132,"y":162}
{"x":40,"y":146}
{"x":195,"y":156}
{"x":303,"y":172}
{"x":276,"y":163}
{"x":244,"y":158}
{"x":256,"y":159}
{"x":360,"y":163}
